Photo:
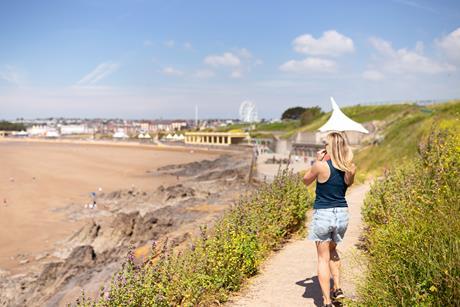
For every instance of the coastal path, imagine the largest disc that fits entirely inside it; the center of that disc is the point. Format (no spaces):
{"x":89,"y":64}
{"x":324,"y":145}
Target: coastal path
{"x":289,"y":278}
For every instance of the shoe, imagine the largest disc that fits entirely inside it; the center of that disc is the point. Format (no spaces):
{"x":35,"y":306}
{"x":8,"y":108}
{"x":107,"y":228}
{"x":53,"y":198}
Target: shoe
{"x":337,"y":294}
{"x":328,"y":305}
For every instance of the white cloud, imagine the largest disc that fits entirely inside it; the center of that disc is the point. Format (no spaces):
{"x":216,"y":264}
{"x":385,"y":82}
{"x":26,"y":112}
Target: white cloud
{"x":10,"y":74}
{"x":331,"y":43}
{"x":227,"y":59}
{"x":404,"y":61}
{"x":100,"y":72}
{"x":309,"y":65}
{"x":450,"y":45}
{"x":170,"y":43}
{"x":204,"y":73}
{"x":188,"y":46}
{"x":148,"y":43}
{"x":237,"y":62}
{"x":170,"y":71}
{"x":244,"y":53}
{"x":373,"y":75}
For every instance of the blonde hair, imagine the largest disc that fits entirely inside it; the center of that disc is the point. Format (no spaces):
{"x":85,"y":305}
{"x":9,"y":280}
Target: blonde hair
{"x":339,"y":151}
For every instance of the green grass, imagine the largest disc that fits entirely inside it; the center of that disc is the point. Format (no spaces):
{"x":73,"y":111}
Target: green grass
{"x":402,"y":135}
{"x":285,"y":125}
{"x":413,"y":233}
{"x":376,"y":112}
{"x":233,"y":127}
{"x":358,"y":113}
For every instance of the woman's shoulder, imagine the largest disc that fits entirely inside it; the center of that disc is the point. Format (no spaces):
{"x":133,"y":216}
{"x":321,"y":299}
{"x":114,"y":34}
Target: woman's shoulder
{"x":322,"y":166}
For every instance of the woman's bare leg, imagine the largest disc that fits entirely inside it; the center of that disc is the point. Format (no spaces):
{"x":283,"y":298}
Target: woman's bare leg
{"x":324,"y":273}
{"x":334,"y":264}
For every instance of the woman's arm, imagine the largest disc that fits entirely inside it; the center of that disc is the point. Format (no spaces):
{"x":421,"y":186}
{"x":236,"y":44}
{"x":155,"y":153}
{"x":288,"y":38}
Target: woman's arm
{"x":312,"y":174}
{"x":350,"y":176}
{"x":315,"y":168}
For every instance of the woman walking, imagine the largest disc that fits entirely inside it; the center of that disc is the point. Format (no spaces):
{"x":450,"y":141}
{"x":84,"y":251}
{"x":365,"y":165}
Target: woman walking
{"x":334,"y":172}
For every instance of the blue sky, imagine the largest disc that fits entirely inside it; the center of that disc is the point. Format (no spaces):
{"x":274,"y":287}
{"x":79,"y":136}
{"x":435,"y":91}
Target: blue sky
{"x":158,"y":59}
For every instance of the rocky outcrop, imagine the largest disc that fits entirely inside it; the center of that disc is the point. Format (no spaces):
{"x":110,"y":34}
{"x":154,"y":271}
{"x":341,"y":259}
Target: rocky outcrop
{"x":128,"y":218}
{"x":222,"y":168}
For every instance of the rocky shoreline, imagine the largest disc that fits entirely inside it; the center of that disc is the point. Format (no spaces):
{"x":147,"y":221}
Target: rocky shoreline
{"x":124,"y":219}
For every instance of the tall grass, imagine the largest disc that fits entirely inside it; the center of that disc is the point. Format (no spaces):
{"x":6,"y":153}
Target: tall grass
{"x":221,"y":259}
{"x":413,"y":236}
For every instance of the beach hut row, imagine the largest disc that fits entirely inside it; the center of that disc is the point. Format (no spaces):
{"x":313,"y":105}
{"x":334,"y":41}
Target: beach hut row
{"x":175,"y":137}
{"x":144,"y":136}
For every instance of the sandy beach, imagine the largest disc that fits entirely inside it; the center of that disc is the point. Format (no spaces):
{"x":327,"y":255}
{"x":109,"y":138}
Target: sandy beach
{"x":36,"y":178}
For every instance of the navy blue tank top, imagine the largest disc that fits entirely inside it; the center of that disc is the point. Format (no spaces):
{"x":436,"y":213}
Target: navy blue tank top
{"x":331,"y":194}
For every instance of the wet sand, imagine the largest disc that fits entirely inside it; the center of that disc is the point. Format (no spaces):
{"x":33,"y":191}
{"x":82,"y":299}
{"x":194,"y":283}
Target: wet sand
{"x":38,"y":177}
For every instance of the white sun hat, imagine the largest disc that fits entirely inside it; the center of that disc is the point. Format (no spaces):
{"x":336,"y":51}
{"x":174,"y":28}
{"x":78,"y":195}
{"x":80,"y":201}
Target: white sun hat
{"x":340,"y":122}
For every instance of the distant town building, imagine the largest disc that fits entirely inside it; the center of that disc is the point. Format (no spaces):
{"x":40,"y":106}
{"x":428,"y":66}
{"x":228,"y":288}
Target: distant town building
{"x":38,"y":130}
{"x":73,"y":129}
{"x":216,"y":138}
{"x":52,"y":134}
{"x":120,"y":134}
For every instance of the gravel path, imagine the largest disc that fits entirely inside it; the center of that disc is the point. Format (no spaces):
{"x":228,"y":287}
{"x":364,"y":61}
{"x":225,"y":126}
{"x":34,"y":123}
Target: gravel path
{"x":289,"y":277}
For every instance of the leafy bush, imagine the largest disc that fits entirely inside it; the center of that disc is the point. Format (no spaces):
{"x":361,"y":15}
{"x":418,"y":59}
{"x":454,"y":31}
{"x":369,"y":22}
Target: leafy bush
{"x":413,"y":235}
{"x":9,"y":126}
{"x":221,"y":258}
{"x":309,"y":115}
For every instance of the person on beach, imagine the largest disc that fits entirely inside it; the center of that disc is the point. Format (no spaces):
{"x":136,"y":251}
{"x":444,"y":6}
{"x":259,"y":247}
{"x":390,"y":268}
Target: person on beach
{"x":333,"y":172}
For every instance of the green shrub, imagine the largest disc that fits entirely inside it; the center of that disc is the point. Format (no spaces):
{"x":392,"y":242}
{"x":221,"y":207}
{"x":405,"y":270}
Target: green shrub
{"x":221,"y":258}
{"x":413,"y":229}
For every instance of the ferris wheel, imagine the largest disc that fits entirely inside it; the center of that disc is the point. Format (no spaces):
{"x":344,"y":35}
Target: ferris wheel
{"x":248,"y":111}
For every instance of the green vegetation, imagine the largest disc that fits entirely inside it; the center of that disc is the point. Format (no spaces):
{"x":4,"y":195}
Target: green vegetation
{"x":221,"y":258}
{"x":228,"y":128}
{"x":309,"y":115}
{"x":305,"y":115}
{"x":284,"y":125}
{"x":8,"y":126}
{"x":403,"y":130}
{"x":364,"y":114}
{"x":293,"y":113}
{"x":413,"y":234}
{"x":358,"y":113}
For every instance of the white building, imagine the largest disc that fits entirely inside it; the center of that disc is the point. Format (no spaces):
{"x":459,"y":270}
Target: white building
{"x":178,"y":125}
{"x":73,"y":129}
{"x":38,"y":130}
{"x":120,"y":134}
{"x":52,"y":134}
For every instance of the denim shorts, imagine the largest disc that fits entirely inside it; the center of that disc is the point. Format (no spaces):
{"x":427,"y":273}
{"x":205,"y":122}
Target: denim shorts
{"x":328,"y":224}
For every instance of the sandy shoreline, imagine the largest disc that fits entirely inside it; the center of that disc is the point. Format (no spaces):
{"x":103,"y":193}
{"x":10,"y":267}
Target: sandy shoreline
{"x":38,"y":176}
{"x":131,"y":144}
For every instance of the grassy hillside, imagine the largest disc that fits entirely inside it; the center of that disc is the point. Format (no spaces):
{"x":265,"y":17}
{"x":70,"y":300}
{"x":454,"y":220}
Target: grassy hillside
{"x":405,"y":126}
{"x":359,"y":113}
{"x":402,"y":133}
{"x":285,"y":125}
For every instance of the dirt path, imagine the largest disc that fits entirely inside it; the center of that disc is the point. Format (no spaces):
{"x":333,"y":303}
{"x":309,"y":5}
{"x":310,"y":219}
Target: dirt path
{"x":289,"y":278}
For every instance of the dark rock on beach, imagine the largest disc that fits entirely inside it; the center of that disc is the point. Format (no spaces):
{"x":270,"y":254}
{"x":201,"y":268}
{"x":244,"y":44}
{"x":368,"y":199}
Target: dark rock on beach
{"x":125,"y":219}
